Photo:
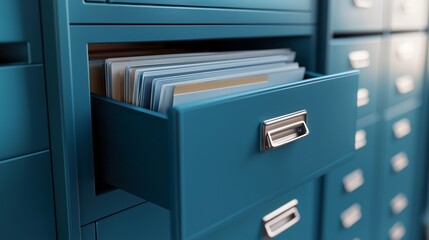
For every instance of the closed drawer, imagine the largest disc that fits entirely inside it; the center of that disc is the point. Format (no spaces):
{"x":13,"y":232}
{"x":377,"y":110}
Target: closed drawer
{"x":305,"y":5}
{"x":348,"y":192}
{"x":407,"y":61}
{"x":362,"y":54}
{"x":24,"y":121}
{"x":396,"y":228}
{"x":408,"y":14}
{"x":27,"y":201}
{"x":356,"y":15}
{"x":401,"y":132}
{"x":20,"y":23}
{"x":213,"y":149}
{"x":146,"y":221}
{"x":294,"y":222}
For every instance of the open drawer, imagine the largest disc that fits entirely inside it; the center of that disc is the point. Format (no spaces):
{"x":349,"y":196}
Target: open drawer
{"x":212,"y":159}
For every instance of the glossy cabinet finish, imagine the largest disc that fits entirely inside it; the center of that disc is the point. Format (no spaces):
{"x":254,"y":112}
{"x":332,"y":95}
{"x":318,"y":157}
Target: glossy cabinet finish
{"x":250,"y":224}
{"x":349,"y":192}
{"x":145,"y":221}
{"x":363,"y":54}
{"x":356,"y":16}
{"x":406,"y":64}
{"x":305,"y":5}
{"x":199,"y":165}
{"x":20,"y":23}
{"x":24,"y":121}
{"x":408,"y":14}
{"x":27,"y":202}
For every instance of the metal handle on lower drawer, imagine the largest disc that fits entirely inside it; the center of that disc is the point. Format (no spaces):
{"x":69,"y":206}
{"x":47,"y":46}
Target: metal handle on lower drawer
{"x":285,"y":129}
{"x":281,"y":219}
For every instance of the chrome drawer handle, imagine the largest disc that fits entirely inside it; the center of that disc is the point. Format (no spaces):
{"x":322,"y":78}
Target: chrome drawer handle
{"x":285,"y":129}
{"x":360,"y":59}
{"x":281,"y":219}
{"x":397,"y":231}
{"x":362,"y":97}
{"x":401,"y":128}
{"x":353,"y":180}
{"x":405,"y":51}
{"x":360,"y":139}
{"x":405,"y":84}
{"x":399,"y":203}
{"x":363,"y":3}
{"x":351,"y":216}
{"x":399,"y":162}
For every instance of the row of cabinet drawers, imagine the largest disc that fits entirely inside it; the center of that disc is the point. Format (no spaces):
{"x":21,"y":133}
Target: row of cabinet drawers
{"x":369,"y":15}
{"x":348,"y":207}
{"x":404,"y":60}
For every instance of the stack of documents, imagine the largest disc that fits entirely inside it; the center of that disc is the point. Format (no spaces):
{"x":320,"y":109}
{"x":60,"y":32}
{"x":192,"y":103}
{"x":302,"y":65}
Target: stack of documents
{"x":158,"y":82}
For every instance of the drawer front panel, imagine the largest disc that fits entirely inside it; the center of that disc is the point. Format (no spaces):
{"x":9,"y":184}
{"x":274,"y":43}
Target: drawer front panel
{"x":408,"y":14}
{"x":20,"y":23}
{"x":250,"y":225}
{"x":362,"y":54}
{"x":220,"y":156}
{"x":347,"y":186}
{"x":24,"y":122}
{"x":357,"y":15}
{"x":305,"y":5}
{"x":401,"y":133}
{"x":27,"y":201}
{"x":407,"y":58}
{"x":146,"y":221}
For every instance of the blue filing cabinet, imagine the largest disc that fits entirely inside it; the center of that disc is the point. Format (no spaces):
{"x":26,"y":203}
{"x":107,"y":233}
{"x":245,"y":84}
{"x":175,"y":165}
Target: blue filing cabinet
{"x":26,"y":186}
{"x":199,"y":171}
{"x":398,"y":29}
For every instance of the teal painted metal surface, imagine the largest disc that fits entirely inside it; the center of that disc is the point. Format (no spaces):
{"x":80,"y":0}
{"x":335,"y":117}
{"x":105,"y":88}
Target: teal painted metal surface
{"x":204,"y":153}
{"x":216,"y":153}
{"x":340,"y":50}
{"x":146,"y":221}
{"x":303,"y":13}
{"x":27,"y":203}
{"x":92,"y":205}
{"x":250,"y":225}
{"x":408,"y":17}
{"x":352,"y":17}
{"x":305,"y":5}
{"x":20,"y":22}
{"x":337,"y":199}
{"x":88,"y":232}
{"x":58,"y":74}
{"x":395,"y":182}
{"x":148,"y":149}
{"x":24,"y":121}
{"x":406,"y":66}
